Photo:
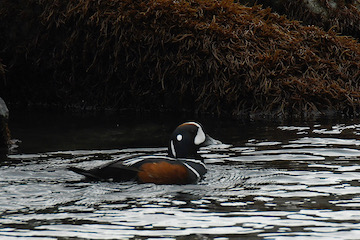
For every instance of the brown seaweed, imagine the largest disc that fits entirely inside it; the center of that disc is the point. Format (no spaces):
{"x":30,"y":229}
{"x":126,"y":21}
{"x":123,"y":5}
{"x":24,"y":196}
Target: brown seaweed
{"x":206,"y":56}
{"x":342,"y":16}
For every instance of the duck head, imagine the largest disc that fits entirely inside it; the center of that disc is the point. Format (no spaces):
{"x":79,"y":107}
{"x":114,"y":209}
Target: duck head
{"x":186,"y":140}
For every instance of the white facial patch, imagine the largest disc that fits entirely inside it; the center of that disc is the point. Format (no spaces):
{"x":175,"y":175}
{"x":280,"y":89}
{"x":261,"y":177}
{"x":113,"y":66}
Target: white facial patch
{"x":200,"y":136}
{"x":179,"y":137}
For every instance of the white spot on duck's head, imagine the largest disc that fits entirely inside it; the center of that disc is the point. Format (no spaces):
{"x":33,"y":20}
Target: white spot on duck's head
{"x":179,"y":137}
{"x":200,"y":136}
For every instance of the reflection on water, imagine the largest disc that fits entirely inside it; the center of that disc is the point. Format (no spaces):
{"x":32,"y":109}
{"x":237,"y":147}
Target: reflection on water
{"x":273,"y":182}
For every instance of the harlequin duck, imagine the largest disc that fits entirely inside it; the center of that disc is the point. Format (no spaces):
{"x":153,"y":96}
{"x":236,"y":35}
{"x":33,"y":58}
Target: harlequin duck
{"x":183,"y":164}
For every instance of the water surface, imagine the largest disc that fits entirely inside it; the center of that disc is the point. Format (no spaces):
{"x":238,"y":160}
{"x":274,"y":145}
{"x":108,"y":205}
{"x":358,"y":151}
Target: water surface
{"x":275,"y":181}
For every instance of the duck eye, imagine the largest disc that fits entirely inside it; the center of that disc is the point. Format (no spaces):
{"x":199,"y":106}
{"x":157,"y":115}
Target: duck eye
{"x":179,"y":137}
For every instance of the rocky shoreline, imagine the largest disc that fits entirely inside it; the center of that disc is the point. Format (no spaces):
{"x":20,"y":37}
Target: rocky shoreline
{"x":216,"y":57}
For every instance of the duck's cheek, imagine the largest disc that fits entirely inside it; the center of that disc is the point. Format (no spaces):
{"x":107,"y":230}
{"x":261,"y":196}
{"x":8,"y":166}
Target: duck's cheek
{"x":200,"y":137}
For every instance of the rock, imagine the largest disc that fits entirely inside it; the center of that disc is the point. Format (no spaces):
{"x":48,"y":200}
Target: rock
{"x":4,"y":129}
{"x":216,"y":57}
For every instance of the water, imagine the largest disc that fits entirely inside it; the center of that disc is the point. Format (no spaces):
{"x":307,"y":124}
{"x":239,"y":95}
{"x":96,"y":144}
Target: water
{"x":275,"y":181}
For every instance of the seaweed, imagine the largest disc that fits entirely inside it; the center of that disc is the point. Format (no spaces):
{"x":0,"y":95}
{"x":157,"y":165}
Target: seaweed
{"x":203,"y":56}
{"x":342,"y":16}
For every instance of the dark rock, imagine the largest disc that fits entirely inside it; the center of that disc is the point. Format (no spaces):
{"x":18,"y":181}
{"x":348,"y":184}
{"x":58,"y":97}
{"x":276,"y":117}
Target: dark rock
{"x":2,"y":70}
{"x":4,"y":129}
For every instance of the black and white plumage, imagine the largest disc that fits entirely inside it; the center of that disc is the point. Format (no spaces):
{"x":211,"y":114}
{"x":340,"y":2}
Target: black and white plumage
{"x":182,"y":166}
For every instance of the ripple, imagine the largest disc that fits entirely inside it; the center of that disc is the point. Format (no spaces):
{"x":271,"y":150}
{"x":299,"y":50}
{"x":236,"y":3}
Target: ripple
{"x":326,"y":152}
{"x":293,"y":128}
{"x":282,"y":183}
{"x":308,"y":141}
{"x":273,"y":155}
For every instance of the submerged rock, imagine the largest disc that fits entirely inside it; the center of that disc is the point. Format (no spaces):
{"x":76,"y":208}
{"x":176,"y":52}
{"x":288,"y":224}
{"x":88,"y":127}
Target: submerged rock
{"x":4,"y":129}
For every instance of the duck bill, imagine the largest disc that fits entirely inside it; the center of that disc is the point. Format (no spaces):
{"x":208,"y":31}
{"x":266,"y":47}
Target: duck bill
{"x":210,"y":141}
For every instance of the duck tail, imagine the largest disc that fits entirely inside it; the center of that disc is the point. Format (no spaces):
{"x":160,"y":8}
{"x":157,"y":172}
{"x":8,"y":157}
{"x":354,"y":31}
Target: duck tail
{"x":87,"y":173}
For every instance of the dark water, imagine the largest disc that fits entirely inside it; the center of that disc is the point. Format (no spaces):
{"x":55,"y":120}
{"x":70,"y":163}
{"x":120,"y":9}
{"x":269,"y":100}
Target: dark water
{"x":275,"y":181}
